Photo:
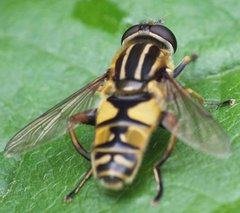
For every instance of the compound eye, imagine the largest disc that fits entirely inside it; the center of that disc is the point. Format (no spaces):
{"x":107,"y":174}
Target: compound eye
{"x":130,"y":31}
{"x":165,"y":33}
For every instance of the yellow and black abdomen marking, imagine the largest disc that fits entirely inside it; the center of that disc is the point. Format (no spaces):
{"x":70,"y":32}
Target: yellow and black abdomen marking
{"x":121,"y":136}
{"x":114,"y":161}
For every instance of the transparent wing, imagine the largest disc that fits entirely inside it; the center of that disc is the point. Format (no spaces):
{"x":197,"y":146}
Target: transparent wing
{"x":195,"y":126}
{"x":53,"y":123}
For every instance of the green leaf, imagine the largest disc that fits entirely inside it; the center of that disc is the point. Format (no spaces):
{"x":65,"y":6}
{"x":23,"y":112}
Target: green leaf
{"x":49,"y":49}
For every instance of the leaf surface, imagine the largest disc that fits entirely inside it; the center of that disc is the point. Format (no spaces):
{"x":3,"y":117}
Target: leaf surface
{"x":49,"y":49}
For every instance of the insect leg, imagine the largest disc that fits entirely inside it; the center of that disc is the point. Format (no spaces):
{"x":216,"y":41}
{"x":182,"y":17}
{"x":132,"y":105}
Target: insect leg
{"x":68,"y":198}
{"x":201,"y":100}
{"x":228,"y":102}
{"x":87,"y":117}
{"x":186,"y":60}
{"x":171,"y":120}
{"x":156,"y":170}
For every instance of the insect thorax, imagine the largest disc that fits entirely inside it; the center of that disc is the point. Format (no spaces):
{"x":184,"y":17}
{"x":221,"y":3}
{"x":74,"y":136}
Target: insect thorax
{"x":138,"y":62}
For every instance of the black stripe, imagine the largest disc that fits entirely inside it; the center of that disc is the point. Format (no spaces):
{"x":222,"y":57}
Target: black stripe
{"x":123,"y":121}
{"x":148,"y":62}
{"x":133,"y":60}
{"x":116,"y":145}
{"x":116,"y":142}
{"x":129,"y":156}
{"x":111,"y":179}
{"x":118,"y":66}
{"x":114,"y":166}
{"x":123,"y":104}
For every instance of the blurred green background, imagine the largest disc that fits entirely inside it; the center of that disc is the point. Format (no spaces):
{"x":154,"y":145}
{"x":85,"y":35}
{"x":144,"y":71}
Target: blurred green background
{"x":49,"y":49}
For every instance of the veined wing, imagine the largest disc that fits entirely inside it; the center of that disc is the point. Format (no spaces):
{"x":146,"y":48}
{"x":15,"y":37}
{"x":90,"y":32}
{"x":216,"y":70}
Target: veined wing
{"x":195,"y":126}
{"x":53,"y":123}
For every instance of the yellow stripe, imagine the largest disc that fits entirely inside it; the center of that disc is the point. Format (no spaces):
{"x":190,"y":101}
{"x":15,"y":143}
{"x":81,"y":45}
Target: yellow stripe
{"x":123,"y":138}
{"x":122,"y":71}
{"x":103,"y":160}
{"x":156,"y":65}
{"x":123,"y":161}
{"x":137,"y":74}
{"x":106,"y":111}
{"x":112,"y":172}
{"x":146,"y":112}
{"x":112,"y":186}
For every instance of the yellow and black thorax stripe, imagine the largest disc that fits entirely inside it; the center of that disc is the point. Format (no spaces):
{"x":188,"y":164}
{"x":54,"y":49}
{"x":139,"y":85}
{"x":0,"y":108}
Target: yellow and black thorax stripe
{"x":139,"y":61}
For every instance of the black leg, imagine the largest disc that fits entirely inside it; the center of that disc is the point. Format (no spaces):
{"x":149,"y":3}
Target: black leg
{"x":68,"y":198}
{"x":186,"y":60}
{"x":87,"y":117}
{"x":168,"y":119}
{"x":156,"y":169}
{"x":82,"y":118}
{"x":228,"y":102}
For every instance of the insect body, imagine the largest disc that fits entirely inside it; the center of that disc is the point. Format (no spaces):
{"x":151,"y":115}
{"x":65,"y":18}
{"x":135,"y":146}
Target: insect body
{"x":138,"y":94}
{"x":126,"y":119}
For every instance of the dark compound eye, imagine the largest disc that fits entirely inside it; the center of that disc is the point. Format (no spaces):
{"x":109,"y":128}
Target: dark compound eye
{"x":165,"y":33}
{"x":157,"y":29}
{"x":130,"y":31}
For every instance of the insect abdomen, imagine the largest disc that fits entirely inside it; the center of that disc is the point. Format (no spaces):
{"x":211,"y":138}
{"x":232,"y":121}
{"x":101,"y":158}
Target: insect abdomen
{"x":123,"y":128}
{"x":115,"y":161}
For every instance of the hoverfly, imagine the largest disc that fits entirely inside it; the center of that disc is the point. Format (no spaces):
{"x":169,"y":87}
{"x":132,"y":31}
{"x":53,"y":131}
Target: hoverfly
{"x":138,"y":93}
